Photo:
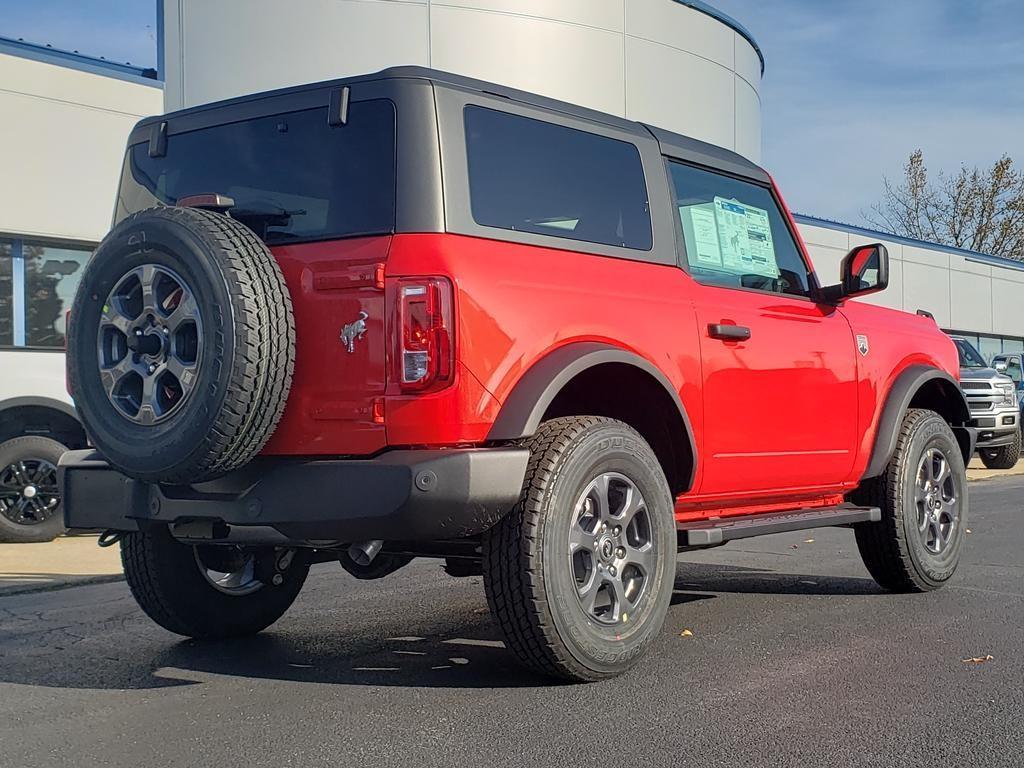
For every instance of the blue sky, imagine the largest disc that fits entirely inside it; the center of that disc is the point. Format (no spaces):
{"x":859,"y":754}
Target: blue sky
{"x":851,"y":87}
{"x":121,"y":30}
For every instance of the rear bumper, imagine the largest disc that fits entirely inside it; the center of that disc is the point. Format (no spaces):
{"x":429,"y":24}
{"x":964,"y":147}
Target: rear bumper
{"x":419,"y":495}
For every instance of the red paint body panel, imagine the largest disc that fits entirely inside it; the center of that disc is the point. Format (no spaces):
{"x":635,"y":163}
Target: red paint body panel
{"x":800,"y":357}
{"x":329,"y":409}
{"x":514,"y":304}
{"x":897,"y":341}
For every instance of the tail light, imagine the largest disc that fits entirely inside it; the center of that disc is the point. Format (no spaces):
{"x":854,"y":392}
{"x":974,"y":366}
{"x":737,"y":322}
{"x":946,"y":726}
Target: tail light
{"x":426,"y":334}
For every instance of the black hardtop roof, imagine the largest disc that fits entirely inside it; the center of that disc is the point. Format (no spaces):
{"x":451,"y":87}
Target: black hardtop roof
{"x":675,"y":144}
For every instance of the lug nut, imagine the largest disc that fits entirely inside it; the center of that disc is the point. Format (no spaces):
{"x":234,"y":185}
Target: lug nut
{"x":152,"y":368}
{"x":620,"y":552}
{"x":138,"y":331}
{"x":278,"y":579}
{"x":617,"y":530}
{"x":612,"y":570}
{"x":166,"y":330}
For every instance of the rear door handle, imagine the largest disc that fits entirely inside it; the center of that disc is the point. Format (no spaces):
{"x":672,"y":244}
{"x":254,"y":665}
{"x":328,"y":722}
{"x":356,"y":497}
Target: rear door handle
{"x":728,"y":332}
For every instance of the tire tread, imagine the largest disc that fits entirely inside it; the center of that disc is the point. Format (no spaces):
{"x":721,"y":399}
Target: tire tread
{"x":263,"y":346}
{"x":513,"y":558}
{"x":883,"y":545}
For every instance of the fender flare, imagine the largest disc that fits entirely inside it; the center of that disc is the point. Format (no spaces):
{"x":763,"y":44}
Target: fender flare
{"x":898,"y":400}
{"x":34,"y":401}
{"x":523,"y":409}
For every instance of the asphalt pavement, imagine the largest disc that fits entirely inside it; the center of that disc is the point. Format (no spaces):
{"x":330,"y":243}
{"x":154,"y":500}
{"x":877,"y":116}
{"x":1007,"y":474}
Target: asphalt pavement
{"x":793,"y":657}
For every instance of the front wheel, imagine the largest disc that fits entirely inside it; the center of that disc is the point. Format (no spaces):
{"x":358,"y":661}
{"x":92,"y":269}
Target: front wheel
{"x":210,"y":591}
{"x":1003,"y":457}
{"x":579,"y":575}
{"x":922,"y":494}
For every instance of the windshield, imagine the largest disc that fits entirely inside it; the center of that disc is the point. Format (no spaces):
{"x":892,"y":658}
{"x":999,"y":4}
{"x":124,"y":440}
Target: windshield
{"x":293,"y":174}
{"x":969,"y":356}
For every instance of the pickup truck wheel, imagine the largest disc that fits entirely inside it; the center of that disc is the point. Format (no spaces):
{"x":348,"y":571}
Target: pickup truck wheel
{"x":209,"y":591}
{"x":1003,"y":457}
{"x":30,"y":508}
{"x":181,"y":351}
{"x":580,"y":573}
{"x":916,"y":545}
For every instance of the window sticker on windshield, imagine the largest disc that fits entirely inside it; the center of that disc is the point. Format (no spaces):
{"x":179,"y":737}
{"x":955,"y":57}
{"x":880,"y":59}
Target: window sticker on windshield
{"x":745,"y":238}
{"x":705,"y":235}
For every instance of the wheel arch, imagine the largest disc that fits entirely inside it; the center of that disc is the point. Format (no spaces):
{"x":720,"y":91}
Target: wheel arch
{"x":592,"y":378}
{"x":37,"y":415}
{"x":920,"y":386}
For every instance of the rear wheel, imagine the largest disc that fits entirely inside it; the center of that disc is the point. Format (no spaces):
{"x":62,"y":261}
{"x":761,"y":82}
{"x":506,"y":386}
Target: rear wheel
{"x":922,"y":494}
{"x":30,"y":509}
{"x":1003,"y":457}
{"x":210,"y":591}
{"x":579,"y":575}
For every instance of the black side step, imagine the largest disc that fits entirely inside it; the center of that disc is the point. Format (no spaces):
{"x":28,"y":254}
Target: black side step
{"x":703,"y":533}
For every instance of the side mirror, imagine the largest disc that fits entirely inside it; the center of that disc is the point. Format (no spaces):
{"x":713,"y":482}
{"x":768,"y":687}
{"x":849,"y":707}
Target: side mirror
{"x":1001,"y":366}
{"x":864,"y":270}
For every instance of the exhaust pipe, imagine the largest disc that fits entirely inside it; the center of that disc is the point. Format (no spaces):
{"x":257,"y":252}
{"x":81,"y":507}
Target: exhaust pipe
{"x":363,"y":552}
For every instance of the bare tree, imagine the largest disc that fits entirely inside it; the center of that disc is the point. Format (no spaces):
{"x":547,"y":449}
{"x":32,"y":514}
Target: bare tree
{"x":978,"y":209}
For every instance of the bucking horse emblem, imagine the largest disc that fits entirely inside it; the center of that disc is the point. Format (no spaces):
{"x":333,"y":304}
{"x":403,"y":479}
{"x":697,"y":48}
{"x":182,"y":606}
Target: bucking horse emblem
{"x":353,"y":332}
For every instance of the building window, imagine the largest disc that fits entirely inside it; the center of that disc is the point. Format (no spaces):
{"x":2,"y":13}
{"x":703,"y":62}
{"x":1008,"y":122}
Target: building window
{"x":1013,"y":345}
{"x":38,"y":281}
{"x":6,"y":295}
{"x":51,"y":279}
{"x":989,"y":346}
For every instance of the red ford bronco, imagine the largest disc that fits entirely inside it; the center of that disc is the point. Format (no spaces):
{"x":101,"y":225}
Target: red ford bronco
{"x":415,"y":315}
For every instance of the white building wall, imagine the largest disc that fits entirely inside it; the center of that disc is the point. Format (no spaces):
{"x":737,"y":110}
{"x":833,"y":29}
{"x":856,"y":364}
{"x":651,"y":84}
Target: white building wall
{"x":965,"y":292}
{"x":62,"y":139}
{"x":657,"y":61}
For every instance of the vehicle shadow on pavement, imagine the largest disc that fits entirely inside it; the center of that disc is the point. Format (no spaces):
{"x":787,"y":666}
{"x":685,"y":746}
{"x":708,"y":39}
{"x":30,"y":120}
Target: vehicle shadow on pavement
{"x":416,"y":648}
{"x":419,"y":648}
{"x":410,"y":661}
{"x":717,"y":578}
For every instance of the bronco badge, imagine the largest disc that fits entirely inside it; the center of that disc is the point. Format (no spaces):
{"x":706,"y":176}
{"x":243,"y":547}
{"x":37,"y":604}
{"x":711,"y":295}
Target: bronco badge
{"x":353,"y":332}
{"x":862,"y":344}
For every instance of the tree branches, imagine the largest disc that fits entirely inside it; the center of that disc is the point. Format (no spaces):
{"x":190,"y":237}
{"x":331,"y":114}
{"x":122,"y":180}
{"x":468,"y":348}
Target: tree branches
{"x":978,"y":209}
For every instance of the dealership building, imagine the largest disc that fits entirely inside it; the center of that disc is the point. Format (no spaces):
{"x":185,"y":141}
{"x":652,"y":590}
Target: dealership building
{"x":62,"y":155}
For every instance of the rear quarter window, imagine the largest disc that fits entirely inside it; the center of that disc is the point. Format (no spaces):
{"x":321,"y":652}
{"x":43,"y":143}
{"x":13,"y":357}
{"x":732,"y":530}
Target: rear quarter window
{"x":295,"y":176}
{"x":528,"y":175}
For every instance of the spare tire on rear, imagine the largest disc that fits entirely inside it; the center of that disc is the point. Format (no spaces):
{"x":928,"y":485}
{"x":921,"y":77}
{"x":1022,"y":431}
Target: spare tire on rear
{"x":180,"y":345}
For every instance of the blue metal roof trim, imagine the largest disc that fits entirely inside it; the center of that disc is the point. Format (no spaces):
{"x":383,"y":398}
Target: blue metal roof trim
{"x":80,"y":62}
{"x":729,"y":21}
{"x":968,"y":254}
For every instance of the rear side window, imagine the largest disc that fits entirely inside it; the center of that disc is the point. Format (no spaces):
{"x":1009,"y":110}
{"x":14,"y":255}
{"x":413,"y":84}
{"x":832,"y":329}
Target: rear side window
{"x":292,"y":176}
{"x":531,"y":176}
{"x":735,"y":235}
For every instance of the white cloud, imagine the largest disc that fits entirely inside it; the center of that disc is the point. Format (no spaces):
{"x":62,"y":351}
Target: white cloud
{"x":850,"y":89}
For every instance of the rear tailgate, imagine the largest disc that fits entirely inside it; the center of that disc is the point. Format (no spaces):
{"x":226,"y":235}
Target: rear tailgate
{"x":321,"y":194}
{"x":335,"y":287}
